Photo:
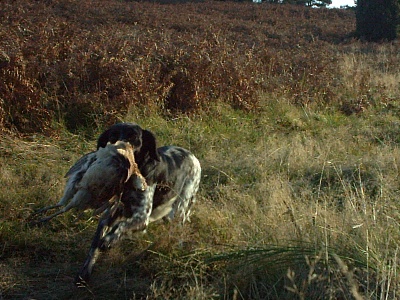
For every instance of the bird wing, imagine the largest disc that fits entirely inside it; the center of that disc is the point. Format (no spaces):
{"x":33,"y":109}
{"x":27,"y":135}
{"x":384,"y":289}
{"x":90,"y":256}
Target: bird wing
{"x":87,"y":160}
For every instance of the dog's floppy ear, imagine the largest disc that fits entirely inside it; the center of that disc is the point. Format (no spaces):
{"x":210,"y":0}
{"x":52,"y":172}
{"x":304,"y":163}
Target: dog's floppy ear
{"x":149,"y":145}
{"x":103,"y":139}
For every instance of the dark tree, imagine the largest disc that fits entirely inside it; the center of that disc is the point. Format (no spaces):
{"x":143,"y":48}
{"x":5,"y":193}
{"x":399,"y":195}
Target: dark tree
{"x":377,"y":20}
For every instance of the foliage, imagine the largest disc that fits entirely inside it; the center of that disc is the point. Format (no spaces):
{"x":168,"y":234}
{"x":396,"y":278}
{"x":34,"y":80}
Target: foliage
{"x":84,"y":63}
{"x":319,"y":3}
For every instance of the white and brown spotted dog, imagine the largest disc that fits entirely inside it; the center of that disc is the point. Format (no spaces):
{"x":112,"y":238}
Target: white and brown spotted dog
{"x":172,"y":175}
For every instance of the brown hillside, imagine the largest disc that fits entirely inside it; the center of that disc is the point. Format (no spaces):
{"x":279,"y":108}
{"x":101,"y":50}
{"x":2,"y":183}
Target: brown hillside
{"x":84,"y":62}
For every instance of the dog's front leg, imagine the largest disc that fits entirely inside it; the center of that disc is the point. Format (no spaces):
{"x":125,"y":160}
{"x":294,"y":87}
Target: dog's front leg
{"x":108,"y":218}
{"x":131,"y":214}
{"x":137,"y":210}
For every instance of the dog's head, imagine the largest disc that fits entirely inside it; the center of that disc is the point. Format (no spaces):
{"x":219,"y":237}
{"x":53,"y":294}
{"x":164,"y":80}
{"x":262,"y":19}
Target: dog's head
{"x":142,"y":141}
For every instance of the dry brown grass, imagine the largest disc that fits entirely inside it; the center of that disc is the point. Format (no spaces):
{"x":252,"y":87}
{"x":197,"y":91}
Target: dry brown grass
{"x":299,"y":195}
{"x":86,"y":63}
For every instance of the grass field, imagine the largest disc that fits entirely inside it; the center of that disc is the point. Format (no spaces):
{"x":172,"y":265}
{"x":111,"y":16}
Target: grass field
{"x":296,"y":125}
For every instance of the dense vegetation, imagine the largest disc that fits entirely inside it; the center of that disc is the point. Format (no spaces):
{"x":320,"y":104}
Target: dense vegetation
{"x":80,"y":62}
{"x":296,"y":124}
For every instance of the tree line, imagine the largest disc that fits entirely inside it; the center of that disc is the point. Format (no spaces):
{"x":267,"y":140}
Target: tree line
{"x":377,"y":20}
{"x":319,"y":3}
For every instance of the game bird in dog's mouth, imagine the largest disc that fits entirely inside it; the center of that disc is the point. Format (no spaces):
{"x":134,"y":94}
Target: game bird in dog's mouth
{"x":97,"y":179}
